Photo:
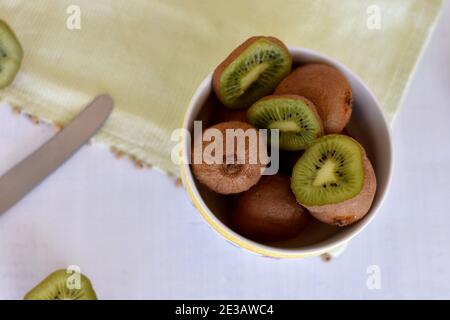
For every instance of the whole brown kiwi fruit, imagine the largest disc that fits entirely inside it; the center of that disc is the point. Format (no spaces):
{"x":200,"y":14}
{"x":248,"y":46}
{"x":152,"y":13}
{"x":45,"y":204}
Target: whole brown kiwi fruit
{"x":223,"y":114}
{"x":235,"y":171}
{"x":269,"y":211}
{"x":327,"y":88}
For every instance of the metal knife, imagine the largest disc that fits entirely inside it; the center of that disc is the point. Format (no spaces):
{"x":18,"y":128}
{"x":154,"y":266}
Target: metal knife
{"x":28,"y":173}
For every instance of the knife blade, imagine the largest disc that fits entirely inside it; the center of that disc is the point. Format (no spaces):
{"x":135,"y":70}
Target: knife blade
{"x":28,"y":173}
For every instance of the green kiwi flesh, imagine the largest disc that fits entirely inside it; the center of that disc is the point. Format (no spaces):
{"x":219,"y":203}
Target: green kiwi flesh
{"x":11,"y":55}
{"x":330,"y":171}
{"x":55,"y":287}
{"x":294,"y":116}
{"x":254,"y":73}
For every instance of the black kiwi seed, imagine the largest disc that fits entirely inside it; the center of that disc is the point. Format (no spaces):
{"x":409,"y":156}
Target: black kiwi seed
{"x":2,"y":52}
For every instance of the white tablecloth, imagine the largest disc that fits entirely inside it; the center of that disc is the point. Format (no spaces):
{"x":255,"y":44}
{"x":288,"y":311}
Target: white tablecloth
{"x":137,"y":236}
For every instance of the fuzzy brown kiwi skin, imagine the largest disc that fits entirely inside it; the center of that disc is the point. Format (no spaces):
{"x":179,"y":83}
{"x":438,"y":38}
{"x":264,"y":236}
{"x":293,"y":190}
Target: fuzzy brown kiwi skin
{"x":269,"y":212}
{"x":234,"y":55}
{"x":351,"y":210}
{"x":224,"y":114}
{"x":327,"y":88}
{"x":231,"y":179}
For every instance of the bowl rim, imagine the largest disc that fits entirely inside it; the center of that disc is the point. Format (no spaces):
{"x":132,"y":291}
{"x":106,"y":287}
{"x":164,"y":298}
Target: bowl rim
{"x":261,"y":248}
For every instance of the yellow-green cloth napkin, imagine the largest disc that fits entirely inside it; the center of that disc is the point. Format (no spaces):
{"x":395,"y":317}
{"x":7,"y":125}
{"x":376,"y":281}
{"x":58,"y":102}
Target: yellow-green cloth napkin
{"x":150,"y":55}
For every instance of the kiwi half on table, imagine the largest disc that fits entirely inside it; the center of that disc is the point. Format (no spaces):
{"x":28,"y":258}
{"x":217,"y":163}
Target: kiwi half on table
{"x":56,"y":287}
{"x":295,"y":116}
{"x":11,"y":55}
{"x":251,"y":71}
{"x":334,"y":180}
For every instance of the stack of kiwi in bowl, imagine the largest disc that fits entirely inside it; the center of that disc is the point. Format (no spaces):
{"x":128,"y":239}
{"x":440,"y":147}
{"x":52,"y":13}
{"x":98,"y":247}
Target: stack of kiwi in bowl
{"x":325,"y":175}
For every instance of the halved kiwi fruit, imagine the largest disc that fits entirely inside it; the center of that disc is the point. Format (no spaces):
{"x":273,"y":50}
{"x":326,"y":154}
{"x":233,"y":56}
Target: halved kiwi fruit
{"x":57,"y":286}
{"x":237,"y":170}
{"x":11,"y":55}
{"x":334,"y":180}
{"x":295,"y":116}
{"x":251,"y":71}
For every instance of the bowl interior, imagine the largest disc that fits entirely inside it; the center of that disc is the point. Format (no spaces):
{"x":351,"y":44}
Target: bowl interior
{"x":367,"y":125}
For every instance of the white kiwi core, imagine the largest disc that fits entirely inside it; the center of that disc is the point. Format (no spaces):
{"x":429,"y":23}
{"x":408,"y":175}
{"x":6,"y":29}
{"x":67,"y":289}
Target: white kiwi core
{"x":253,"y":75}
{"x":326,"y":174}
{"x":285,"y":126}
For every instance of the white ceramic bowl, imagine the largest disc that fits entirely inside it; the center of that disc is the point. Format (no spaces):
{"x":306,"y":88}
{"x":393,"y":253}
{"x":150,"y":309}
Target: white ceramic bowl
{"x":367,"y":125}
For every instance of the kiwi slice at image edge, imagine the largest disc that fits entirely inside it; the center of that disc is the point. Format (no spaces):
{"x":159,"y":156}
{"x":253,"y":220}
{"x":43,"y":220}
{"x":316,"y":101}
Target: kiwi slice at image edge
{"x":295,"y":117}
{"x":11,"y":55}
{"x":251,"y":71}
{"x":334,"y":180}
{"x":57,"y":286}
